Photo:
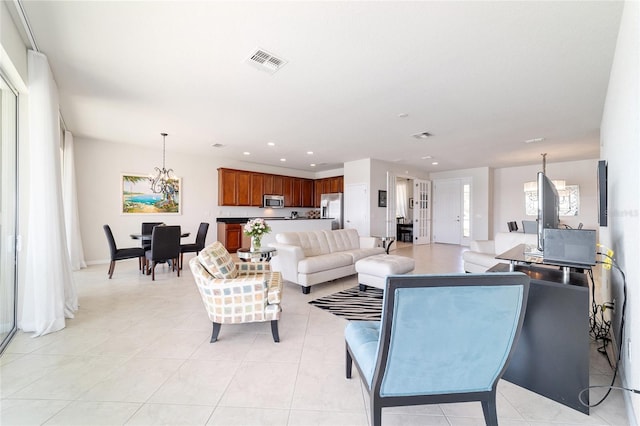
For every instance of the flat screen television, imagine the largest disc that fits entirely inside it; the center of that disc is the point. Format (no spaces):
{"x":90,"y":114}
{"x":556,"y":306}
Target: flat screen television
{"x":548,"y":207}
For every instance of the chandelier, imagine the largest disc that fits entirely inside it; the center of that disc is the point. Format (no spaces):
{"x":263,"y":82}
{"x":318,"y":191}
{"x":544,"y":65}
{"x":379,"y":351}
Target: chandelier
{"x":164,"y":182}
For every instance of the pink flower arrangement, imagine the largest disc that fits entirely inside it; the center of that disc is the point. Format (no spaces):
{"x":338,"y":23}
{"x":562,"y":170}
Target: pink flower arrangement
{"x":256,"y":228}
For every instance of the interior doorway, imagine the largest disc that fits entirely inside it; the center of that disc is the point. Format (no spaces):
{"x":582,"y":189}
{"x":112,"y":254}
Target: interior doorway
{"x":408,"y":209}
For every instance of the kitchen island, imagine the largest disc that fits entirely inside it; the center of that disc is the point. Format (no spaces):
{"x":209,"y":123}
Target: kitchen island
{"x":231,"y":235}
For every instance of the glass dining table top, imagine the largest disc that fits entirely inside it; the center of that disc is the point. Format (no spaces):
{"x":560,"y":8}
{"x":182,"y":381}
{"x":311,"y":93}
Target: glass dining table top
{"x":147,"y":237}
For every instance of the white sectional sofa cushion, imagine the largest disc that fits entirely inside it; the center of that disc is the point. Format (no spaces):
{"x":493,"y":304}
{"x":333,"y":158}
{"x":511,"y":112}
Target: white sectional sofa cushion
{"x":312,"y":257}
{"x":482,"y":253}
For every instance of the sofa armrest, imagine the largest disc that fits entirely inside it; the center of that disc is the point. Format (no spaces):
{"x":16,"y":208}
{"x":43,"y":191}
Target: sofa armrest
{"x":286,"y":261}
{"x":483,"y":246}
{"x":368,"y":242}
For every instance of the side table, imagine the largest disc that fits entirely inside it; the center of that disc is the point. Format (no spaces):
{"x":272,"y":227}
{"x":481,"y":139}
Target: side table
{"x":386,"y":242}
{"x":264,"y":254}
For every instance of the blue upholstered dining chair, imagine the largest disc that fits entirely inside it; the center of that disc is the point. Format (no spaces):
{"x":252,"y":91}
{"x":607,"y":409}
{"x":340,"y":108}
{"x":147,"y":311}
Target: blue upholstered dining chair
{"x":442,"y":338}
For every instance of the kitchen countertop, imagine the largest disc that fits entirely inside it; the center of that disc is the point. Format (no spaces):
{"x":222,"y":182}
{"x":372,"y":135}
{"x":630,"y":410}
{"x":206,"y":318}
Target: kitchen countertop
{"x":246,"y":219}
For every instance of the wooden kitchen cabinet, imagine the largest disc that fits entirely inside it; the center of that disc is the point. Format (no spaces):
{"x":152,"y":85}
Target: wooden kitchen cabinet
{"x":231,"y":235}
{"x":245,"y":188}
{"x":257,"y":189}
{"x":317,"y":192}
{"x":227,"y":193}
{"x":337,"y":183}
{"x":306,"y":193}
{"x":234,"y":187}
{"x":278,"y":185}
{"x":287,"y":191}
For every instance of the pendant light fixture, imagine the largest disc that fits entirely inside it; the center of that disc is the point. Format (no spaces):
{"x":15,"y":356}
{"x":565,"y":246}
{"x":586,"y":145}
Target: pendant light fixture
{"x":164,"y":182}
{"x":533,"y":185}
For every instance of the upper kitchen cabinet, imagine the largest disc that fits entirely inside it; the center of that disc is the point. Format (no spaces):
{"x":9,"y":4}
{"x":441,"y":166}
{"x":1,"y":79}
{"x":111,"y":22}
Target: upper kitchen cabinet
{"x":245,"y":188}
{"x":235,"y":188}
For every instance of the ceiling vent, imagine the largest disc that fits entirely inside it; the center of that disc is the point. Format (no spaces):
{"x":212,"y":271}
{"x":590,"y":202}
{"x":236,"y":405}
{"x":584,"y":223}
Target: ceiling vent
{"x":422,"y":135}
{"x":266,"y":61}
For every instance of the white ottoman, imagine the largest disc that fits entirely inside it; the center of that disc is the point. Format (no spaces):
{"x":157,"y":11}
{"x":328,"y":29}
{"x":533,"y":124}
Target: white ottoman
{"x":374,"y":270}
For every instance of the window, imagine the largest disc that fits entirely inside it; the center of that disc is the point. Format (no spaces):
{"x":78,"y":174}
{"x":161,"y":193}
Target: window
{"x":466,"y":210}
{"x":8,"y":211}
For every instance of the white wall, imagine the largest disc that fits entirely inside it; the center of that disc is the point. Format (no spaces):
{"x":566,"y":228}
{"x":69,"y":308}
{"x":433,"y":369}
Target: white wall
{"x":100,"y":165}
{"x":620,"y":133}
{"x":509,"y":198}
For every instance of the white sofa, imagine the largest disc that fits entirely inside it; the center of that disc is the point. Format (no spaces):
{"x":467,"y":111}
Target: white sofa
{"x":312,"y":257}
{"x":482,"y":253}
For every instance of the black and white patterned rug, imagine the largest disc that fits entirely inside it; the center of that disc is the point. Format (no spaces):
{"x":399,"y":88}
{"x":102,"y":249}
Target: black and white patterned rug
{"x":353,"y":304}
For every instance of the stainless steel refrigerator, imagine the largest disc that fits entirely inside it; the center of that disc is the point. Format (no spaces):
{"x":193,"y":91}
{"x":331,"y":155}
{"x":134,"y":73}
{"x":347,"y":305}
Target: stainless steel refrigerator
{"x":331,"y":207}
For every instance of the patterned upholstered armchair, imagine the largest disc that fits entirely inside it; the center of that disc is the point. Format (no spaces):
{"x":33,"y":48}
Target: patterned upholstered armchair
{"x":236,"y":293}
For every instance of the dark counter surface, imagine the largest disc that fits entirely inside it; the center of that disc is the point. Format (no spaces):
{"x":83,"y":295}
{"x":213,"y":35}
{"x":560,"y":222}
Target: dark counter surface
{"x":246,"y":219}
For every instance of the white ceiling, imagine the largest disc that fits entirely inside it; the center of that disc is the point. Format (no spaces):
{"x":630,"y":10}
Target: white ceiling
{"x":482,"y":77}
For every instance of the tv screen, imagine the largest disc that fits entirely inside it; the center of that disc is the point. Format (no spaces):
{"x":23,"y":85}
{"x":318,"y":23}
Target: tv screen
{"x":602,"y":193}
{"x":548,"y":207}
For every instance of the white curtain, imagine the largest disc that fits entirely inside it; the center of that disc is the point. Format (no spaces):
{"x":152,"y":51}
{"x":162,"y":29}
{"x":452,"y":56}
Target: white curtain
{"x":401,"y":198}
{"x":49,"y":292}
{"x":70,"y":199}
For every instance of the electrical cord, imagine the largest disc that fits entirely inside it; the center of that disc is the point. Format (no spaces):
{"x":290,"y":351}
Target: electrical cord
{"x":611,"y":262}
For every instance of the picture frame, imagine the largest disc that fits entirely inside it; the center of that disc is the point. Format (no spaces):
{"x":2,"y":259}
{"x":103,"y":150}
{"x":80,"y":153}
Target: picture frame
{"x":382,"y":198}
{"x":136,"y":196}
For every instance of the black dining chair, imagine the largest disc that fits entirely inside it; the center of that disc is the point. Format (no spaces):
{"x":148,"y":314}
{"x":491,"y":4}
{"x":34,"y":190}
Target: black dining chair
{"x":198,"y":245}
{"x":147,"y":229}
{"x":165,"y":247}
{"x":121,"y":254}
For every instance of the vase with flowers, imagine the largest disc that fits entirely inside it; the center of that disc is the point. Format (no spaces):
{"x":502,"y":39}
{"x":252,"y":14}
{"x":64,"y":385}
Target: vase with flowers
{"x":256,"y":229}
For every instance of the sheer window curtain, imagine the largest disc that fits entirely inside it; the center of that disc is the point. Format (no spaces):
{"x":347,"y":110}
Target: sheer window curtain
{"x":49,"y":294}
{"x":70,"y":200}
{"x":401,"y":198}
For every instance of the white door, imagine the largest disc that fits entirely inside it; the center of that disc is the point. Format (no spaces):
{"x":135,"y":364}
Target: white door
{"x":421,"y":211}
{"x":356,"y":208}
{"x":447,"y":211}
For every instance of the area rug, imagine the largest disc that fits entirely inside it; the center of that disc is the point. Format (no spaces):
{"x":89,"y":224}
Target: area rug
{"x":353,"y":304}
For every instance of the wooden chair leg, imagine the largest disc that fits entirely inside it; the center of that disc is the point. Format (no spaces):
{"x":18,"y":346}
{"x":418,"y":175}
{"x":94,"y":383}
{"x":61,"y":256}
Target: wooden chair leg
{"x":181,"y":259}
{"x":177,"y":266}
{"x":153,"y":271}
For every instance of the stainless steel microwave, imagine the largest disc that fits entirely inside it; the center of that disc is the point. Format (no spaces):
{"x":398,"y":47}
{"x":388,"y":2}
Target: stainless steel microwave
{"x":273,"y":201}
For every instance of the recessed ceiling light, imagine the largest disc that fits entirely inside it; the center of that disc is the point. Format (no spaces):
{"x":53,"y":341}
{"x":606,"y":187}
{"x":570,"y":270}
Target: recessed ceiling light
{"x":246,"y":153}
{"x":534,"y":140}
{"x":422,"y":135}
{"x":312,"y":164}
{"x":271,"y":143}
{"x":309,"y":152}
{"x":283,"y":159}
{"x":435,"y":163}
{"x":403,"y":115}
{"x":426,"y":157}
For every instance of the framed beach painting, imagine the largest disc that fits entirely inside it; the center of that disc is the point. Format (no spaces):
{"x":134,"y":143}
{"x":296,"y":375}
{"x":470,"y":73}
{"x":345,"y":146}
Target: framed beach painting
{"x":137,"y":197}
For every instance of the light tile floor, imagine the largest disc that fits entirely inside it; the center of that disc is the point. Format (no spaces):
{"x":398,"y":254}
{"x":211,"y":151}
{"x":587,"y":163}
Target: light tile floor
{"x":138,"y":353}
